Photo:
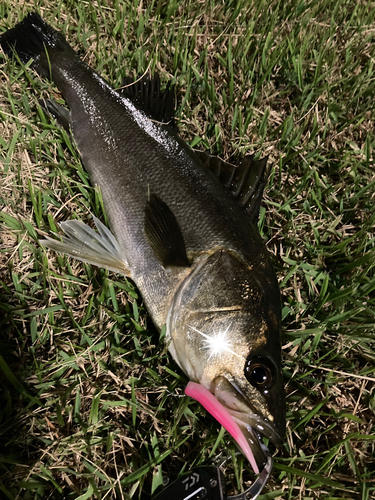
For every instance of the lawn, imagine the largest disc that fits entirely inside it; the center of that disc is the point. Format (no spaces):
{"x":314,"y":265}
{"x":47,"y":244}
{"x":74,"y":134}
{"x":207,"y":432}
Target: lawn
{"x":92,"y":404}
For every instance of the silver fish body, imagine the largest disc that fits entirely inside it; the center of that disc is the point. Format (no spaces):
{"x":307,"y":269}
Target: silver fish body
{"x":221,"y":302}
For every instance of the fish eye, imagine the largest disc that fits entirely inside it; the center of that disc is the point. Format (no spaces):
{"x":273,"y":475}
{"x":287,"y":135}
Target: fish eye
{"x":260,"y":372}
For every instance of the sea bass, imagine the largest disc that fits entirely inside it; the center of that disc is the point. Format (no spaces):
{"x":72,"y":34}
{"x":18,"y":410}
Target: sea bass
{"x":183,"y":228}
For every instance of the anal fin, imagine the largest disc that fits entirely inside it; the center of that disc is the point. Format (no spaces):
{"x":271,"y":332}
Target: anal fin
{"x":58,"y":112}
{"x":83,"y":243}
{"x":164,"y":233}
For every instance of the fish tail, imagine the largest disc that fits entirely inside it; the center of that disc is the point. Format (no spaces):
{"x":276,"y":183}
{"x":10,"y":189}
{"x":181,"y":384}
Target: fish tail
{"x":34,"y":39}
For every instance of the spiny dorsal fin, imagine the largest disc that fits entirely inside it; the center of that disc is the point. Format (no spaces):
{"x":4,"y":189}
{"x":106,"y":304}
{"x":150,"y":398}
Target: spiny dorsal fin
{"x":147,"y":95}
{"x":164,"y":233}
{"x":245,"y":179}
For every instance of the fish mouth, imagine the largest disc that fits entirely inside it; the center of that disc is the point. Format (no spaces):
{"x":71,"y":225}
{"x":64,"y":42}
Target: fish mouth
{"x":252,"y":425}
{"x":229,"y":407}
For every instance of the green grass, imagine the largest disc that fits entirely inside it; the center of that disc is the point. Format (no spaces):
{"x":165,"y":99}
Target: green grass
{"x":91,"y":402}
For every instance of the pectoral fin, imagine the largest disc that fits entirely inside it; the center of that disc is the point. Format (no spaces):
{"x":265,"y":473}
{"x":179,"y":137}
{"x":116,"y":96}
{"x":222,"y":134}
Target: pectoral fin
{"x":83,"y":243}
{"x":164,"y":234}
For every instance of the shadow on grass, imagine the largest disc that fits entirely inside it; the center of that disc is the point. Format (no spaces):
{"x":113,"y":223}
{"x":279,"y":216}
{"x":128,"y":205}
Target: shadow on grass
{"x":19,"y":448}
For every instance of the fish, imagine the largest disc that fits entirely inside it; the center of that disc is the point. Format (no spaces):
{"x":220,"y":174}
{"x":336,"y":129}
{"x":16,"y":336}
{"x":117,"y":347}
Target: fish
{"x":183,"y":228}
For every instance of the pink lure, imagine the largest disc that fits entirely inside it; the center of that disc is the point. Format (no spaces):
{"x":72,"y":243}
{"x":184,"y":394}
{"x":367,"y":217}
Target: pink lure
{"x":222,"y":415}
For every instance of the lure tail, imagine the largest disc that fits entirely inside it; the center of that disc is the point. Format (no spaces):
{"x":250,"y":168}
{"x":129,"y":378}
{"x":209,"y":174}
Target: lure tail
{"x":34,"y":39}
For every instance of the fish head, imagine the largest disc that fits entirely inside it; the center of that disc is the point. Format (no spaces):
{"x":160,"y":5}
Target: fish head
{"x":224,"y":331}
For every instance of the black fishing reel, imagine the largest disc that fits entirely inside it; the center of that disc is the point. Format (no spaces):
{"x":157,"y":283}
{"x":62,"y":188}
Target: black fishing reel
{"x":207,"y":483}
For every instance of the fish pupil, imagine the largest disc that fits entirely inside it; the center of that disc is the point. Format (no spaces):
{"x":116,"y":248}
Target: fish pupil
{"x":259,"y":375}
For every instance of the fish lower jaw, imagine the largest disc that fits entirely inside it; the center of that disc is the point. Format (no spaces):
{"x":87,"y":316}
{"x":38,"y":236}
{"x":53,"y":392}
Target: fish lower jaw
{"x":252,"y":425}
{"x":253,"y":436}
{"x":257,"y":424}
{"x":243,"y":411}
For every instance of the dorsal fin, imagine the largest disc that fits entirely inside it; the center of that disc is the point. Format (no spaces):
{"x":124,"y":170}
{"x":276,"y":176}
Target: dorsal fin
{"x":147,"y":95}
{"x":164,"y":233}
{"x":245,"y":179}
